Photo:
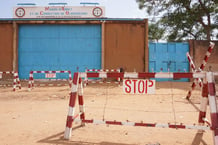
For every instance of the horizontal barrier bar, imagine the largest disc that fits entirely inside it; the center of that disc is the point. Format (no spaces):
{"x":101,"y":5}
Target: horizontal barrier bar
{"x":142,"y":124}
{"x":6,"y":72}
{"x":102,"y":70}
{"x":47,"y":71}
{"x":215,"y":73}
{"x":50,"y":85}
{"x":141,"y":75}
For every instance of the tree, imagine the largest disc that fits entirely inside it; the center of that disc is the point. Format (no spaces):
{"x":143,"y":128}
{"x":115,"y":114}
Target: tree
{"x":155,"y":32}
{"x":185,"y":18}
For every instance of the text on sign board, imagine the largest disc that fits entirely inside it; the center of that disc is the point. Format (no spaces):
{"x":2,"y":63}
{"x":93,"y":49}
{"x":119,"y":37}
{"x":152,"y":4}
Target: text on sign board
{"x":50,"y":75}
{"x":138,"y":86}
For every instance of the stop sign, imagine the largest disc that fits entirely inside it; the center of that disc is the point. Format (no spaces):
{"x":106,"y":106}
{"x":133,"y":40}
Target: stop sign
{"x":138,"y":86}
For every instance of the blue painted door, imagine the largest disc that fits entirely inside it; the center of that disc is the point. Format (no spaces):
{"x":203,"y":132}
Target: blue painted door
{"x":168,"y":57}
{"x":58,"y":47}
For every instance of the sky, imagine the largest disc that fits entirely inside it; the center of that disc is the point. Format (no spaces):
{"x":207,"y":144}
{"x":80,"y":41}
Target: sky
{"x":114,"y":8}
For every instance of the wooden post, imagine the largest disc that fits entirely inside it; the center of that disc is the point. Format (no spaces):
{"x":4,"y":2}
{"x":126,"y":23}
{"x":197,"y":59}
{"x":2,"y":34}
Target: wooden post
{"x":146,"y":55}
{"x":102,"y":45}
{"x":14,"y":46}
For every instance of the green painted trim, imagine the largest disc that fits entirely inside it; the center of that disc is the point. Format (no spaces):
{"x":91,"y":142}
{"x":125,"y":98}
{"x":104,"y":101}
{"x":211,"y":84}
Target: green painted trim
{"x":23,"y":4}
{"x":88,"y":3}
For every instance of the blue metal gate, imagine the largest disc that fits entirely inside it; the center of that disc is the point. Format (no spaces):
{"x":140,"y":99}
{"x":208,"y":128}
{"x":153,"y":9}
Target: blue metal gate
{"x":58,"y":47}
{"x":168,"y":57}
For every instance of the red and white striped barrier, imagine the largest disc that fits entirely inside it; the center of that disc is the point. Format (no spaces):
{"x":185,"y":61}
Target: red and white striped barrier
{"x":203,"y":104}
{"x":102,"y":70}
{"x":50,"y":85}
{"x":87,"y":81}
{"x":100,"y":82}
{"x":77,"y":91}
{"x":142,"y":124}
{"x":48,"y":74}
{"x":207,"y":55}
{"x":213,"y":105}
{"x":6,"y":72}
{"x":72,"y":102}
{"x":192,"y":65}
{"x":136,"y":75}
{"x":16,"y":80}
{"x":81,"y":101}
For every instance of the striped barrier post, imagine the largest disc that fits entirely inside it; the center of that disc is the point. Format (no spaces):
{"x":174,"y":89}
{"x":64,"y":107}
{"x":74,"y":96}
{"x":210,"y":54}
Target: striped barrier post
{"x":71,"y":111}
{"x":70,"y":78}
{"x":203,"y":103}
{"x":206,"y":57}
{"x":77,"y":87}
{"x":31,"y":79}
{"x":16,"y":80}
{"x":81,"y":101}
{"x":213,"y":105}
{"x":86,"y":79}
{"x":192,"y":65}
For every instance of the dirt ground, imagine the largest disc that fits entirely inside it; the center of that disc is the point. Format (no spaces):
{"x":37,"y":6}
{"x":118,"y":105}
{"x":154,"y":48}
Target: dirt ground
{"x":38,"y":117}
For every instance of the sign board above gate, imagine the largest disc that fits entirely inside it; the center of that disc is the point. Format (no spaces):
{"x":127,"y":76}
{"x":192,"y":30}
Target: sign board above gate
{"x":59,"y":12}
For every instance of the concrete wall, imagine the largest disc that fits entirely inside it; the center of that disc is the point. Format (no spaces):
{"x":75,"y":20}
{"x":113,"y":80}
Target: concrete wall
{"x":6,"y":47}
{"x":198,"y":49}
{"x":125,"y":46}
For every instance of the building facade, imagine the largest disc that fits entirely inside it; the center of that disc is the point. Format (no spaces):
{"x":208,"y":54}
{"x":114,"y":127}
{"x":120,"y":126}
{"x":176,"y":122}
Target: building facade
{"x":72,"y":44}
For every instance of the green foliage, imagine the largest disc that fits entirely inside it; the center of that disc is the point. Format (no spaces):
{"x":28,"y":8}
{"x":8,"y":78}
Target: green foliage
{"x":195,"y":19}
{"x":155,"y":32}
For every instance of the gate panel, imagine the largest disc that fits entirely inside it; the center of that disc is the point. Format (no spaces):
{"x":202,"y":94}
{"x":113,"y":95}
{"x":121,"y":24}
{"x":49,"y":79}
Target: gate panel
{"x":58,"y":47}
{"x":168,"y":57}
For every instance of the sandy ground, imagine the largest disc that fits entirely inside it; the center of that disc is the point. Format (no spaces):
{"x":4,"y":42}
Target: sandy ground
{"x":39,"y":117}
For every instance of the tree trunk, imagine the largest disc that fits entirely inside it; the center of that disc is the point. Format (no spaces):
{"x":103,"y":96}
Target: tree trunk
{"x":208,"y":27}
{"x":208,"y":33}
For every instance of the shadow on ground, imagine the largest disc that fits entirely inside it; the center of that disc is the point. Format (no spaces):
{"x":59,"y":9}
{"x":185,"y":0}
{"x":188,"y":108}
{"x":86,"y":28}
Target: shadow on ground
{"x":198,"y":140}
{"x":59,"y":139}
